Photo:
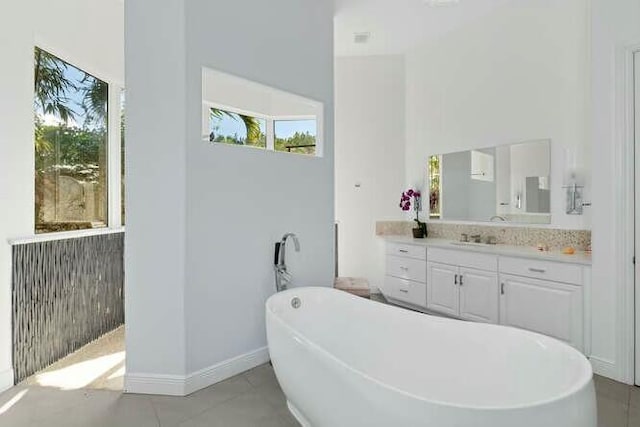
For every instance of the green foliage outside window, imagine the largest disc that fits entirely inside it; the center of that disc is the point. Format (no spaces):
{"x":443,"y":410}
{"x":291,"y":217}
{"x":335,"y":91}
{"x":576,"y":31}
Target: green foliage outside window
{"x":434,"y":186}
{"x":70,"y":142}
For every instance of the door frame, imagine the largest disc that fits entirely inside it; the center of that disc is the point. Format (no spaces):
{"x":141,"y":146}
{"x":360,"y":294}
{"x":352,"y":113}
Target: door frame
{"x":632,"y":126}
{"x":628,"y":195}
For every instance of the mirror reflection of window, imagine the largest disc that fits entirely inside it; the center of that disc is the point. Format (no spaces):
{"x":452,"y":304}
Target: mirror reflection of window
{"x":434,"y":187}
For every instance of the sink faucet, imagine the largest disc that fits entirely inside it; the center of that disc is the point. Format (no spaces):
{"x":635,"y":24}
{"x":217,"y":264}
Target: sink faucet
{"x":498,"y":217}
{"x":283,"y":277}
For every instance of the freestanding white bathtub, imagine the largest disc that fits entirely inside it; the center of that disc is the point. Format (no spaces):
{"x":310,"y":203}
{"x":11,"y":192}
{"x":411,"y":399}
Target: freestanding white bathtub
{"x":346,"y":361}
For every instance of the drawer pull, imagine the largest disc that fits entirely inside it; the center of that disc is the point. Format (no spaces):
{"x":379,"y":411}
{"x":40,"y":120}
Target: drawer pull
{"x":537,"y":270}
{"x":403,"y":251}
{"x":404,"y":291}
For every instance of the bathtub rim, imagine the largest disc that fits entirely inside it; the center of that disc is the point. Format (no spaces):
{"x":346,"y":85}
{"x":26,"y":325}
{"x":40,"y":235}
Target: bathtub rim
{"x":575,"y":389}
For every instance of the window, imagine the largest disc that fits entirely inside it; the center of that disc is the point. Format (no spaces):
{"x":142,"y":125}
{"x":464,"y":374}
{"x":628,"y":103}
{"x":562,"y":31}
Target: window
{"x":295,"y":136}
{"x":71,"y":115}
{"x":286,"y":135}
{"x":434,"y":186}
{"x":239,"y":112}
{"x":238,"y":129}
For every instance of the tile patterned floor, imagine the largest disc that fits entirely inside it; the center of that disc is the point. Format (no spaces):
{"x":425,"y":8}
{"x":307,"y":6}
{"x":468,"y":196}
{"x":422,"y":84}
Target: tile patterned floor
{"x":252,"y":399}
{"x":618,"y":404}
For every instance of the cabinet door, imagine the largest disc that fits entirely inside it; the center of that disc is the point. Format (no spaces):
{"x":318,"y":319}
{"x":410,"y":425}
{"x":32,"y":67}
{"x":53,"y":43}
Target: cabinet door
{"x":442,"y":288}
{"x":479,"y":295}
{"x":550,"y":308}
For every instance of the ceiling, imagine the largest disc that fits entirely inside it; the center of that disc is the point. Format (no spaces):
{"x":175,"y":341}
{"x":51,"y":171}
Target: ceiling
{"x":396,"y":26}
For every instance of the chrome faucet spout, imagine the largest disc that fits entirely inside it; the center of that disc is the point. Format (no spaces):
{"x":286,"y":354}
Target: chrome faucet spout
{"x":283,"y":247}
{"x":296,"y":242}
{"x":283,"y":278}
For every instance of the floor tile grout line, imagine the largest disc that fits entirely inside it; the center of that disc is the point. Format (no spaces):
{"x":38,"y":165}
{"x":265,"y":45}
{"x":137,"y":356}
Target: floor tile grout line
{"x":208,"y":408}
{"x":155,"y":411}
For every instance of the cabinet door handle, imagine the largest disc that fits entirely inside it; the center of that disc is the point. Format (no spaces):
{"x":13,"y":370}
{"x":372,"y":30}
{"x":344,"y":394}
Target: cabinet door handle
{"x":455,"y":279}
{"x":404,"y":268}
{"x":460,"y":280}
{"x":403,"y":251}
{"x":404,"y":291}
{"x":501,"y":288}
{"x":537,"y":270}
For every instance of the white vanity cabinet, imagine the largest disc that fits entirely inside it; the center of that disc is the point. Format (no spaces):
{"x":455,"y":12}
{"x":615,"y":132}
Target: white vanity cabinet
{"x":545,"y":297}
{"x":544,"y":293}
{"x":405,"y":279}
{"x":463,"y":284}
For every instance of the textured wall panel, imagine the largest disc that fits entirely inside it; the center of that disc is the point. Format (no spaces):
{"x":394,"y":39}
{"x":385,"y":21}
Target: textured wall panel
{"x":66,"y":293}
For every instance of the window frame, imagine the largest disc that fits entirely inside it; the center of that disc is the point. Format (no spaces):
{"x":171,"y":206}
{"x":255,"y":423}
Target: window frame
{"x":291,"y":118}
{"x":207,"y":106}
{"x":270,"y":127}
{"x":113,"y":148}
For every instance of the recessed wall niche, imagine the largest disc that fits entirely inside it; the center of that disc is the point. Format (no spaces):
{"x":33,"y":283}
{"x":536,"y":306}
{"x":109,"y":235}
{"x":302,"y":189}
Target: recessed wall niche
{"x":242,"y":113}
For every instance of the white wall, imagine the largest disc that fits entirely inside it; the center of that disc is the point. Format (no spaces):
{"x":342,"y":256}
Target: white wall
{"x":370,"y":139}
{"x":227,"y":90}
{"x":90,"y":35}
{"x":240,"y":201}
{"x":615,"y":25}
{"x":518,"y":73}
{"x":16,"y":159}
{"x":155,"y":169}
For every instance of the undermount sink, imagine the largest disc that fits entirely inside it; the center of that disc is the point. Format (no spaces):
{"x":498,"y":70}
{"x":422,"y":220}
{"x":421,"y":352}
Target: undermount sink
{"x":473,"y":244}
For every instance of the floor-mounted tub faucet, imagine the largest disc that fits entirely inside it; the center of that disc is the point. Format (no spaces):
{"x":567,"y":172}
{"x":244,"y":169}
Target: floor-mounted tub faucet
{"x":283,"y":278}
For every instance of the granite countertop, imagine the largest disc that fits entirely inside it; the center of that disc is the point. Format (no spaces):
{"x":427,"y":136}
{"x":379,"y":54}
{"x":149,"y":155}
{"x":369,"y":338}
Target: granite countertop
{"x":580,"y":257}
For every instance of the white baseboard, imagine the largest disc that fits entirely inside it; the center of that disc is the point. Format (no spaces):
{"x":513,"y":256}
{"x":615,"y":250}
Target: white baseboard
{"x":604,"y":368}
{"x":178,"y":385}
{"x":227,"y":369}
{"x":168,"y":385}
{"x":6,"y":380}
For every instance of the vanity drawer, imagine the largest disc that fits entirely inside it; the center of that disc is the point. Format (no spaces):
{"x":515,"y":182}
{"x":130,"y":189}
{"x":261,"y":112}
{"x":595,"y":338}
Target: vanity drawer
{"x":407,"y":268}
{"x":463,"y":258}
{"x":407,"y":250}
{"x":553,"y":271}
{"x":407,"y":291}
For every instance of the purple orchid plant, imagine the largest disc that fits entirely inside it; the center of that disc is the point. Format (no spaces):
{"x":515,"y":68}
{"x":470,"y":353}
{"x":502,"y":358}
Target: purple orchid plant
{"x":413,"y":198}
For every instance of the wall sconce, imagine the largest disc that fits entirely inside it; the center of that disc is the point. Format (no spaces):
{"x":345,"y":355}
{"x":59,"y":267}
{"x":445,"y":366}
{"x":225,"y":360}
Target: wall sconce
{"x":574,"y":204}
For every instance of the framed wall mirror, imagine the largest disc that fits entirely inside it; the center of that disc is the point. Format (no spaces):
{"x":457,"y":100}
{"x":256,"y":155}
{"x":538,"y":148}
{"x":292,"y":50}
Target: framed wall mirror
{"x":507,"y":183}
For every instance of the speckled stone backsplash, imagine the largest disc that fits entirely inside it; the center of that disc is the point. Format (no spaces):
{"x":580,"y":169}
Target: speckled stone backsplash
{"x":518,"y":236}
